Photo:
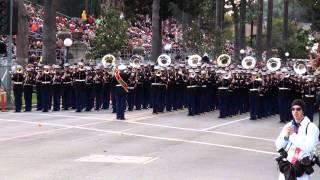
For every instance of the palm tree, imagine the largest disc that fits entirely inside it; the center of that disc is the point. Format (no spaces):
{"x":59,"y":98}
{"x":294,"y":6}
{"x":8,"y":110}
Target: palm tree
{"x":23,"y":34}
{"x":243,"y":12}
{"x":269,"y":28}
{"x":236,"y":31}
{"x":49,"y":32}
{"x":259,"y":30}
{"x":218,"y":27}
{"x":285,"y":25}
{"x":156,"y":34}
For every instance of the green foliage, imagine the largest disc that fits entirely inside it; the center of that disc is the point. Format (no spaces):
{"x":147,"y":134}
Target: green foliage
{"x":111,"y":34}
{"x":297,"y":41}
{"x":196,"y":41}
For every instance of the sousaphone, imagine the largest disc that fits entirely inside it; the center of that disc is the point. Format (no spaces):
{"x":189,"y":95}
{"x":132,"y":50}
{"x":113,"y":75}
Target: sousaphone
{"x":224,"y":60}
{"x":136,"y":61}
{"x":108,"y":60}
{"x":194,"y":60}
{"x":274,"y":64}
{"x":300,"y":67}
{"x":248,"y":62}
{"x":164,"y":60}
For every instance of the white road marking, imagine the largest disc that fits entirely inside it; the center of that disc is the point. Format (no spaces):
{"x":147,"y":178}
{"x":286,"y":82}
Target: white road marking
{"x":116,"y":159}
{"x":32,"y":134}
{"x":179,"y":128}
{"x":224,"y":124}
{"x":148,"y":136}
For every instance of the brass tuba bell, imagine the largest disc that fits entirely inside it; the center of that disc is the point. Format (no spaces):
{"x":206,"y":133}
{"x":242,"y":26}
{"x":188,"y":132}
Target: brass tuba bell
{"x":164,"y":60}
{"x":273,"y":64}
{"x":248,"y":62}
{"x":194,"y":60}
{"x":224,"y":60}
{"x":136,"y":61}
{"x":108,"y":60}
{"x":300,"y":67}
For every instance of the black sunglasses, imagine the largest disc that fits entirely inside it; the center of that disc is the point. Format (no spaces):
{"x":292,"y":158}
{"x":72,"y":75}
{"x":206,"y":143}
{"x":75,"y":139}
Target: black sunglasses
{"x":297,"y":109}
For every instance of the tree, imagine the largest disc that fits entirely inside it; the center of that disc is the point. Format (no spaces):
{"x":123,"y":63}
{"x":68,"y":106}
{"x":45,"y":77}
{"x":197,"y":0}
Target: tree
{"x":218,"y":27}
{"x":156,"y":26}
{"x":269,"y":28}
{"x":259,"y":30}
{"x":235,"y":8}
{"x":243,"y":12}
{"x":111,"y":34}
{"x":49,"y":32}
{"x":23,"y":34}
{"x":285,"y":24}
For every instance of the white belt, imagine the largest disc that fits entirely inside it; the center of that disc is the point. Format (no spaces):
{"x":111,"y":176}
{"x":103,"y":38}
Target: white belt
{"x":57,"y":83}
{"x":66,"y":82}
{"x":45,"y":82}
{"x":280,"y":88}
{"x":156,"y":84}
{"x":17,"y":82}
{"x":130,"y":87}
{"x":118,"y":85}
{"x":192,"y":86}
{"x":80,"y":80}
{"x":309,"y":95}
{"x":222,"y":88}
{"x":253,"y":89}
{"x":204,"y":86}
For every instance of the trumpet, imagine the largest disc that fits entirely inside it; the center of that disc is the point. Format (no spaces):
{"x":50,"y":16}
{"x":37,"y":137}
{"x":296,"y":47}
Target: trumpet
{"x":158,"y":73}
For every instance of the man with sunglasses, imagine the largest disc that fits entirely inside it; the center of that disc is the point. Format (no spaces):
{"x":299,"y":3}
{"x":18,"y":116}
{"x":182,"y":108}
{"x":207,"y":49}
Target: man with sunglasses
{"x":296,"y":141}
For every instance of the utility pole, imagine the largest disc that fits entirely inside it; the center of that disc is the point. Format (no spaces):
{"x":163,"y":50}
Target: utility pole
{"x":9,"y":60}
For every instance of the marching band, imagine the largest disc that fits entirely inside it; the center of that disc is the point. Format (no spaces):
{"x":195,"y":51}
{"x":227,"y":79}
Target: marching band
{"x":199,"y":87}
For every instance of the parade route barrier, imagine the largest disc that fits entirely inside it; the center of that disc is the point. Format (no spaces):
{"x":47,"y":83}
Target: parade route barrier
{"x":3,"y":99}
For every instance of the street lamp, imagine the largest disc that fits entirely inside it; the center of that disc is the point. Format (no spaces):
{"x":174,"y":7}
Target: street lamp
{"x":67,"y":43}
{"x":287,"y":54}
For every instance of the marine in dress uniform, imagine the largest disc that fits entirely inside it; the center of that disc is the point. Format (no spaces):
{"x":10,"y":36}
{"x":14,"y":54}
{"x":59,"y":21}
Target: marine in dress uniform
{"x":18,"y":80}
{"x":30,"y":80}
{"x":121,"y":92}
{"x":79,"y":86}
{"x":46,"y":84}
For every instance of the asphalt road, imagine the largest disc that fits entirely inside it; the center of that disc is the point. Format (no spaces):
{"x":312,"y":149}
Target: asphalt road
{"x":94,"y":146}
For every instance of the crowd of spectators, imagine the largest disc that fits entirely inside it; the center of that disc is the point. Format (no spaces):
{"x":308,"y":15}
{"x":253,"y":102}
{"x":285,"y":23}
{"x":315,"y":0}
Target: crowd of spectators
{"x":140,"y":32}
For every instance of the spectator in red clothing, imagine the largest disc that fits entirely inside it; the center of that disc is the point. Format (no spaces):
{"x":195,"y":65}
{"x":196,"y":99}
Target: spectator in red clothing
{"x":34,"y":27}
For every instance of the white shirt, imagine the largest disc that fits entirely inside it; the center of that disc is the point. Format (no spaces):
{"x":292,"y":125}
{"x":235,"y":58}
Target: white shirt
{"x":305,"y":141}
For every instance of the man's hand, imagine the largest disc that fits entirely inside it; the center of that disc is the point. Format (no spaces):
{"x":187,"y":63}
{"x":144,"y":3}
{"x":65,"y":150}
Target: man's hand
{"x":290,"y":130}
